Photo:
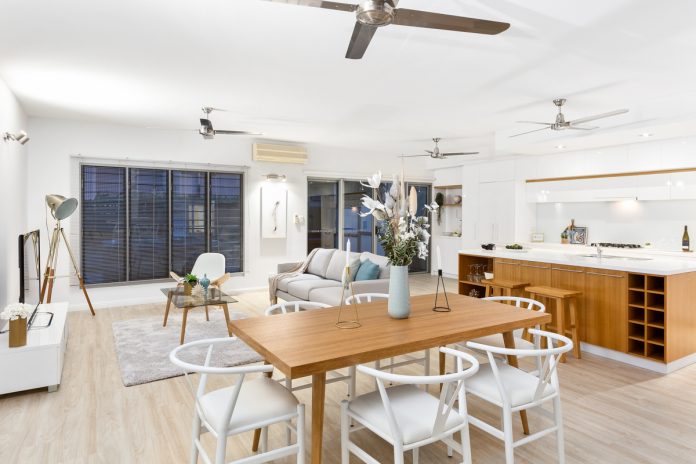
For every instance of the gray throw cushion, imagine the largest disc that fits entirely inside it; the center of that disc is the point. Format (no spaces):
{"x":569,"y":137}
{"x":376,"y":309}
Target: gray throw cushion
{"x":320,"y":261}
{"x":338,"y":263}
{"x":302,"y":288}
{"x":381,"y":261}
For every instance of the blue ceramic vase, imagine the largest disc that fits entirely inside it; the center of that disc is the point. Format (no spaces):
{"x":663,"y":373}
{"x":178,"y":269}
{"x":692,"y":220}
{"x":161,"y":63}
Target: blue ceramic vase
{"x":399,"y":305}
{"x":205,"y":283}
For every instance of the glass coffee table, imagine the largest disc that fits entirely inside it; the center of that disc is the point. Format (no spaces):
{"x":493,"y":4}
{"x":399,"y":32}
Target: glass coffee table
{"x":181,"y":300}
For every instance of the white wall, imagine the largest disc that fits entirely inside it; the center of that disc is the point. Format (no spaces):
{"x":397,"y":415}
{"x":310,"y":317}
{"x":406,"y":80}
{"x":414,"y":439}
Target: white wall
{"x":53,"y":168}
{"x":660,"y":223}
{"x":13,"y":169}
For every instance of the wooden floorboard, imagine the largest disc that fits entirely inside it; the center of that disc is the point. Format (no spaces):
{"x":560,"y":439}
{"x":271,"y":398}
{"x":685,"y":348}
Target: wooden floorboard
{"x":613,"y":413}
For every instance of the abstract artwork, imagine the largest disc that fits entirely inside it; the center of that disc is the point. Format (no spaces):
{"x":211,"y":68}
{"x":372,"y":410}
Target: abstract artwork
{"x":578,"y":235}
{"x":274,"y":202}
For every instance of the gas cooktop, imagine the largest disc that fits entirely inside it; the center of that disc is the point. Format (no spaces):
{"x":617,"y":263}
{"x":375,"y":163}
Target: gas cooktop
{"x":617,"y":245}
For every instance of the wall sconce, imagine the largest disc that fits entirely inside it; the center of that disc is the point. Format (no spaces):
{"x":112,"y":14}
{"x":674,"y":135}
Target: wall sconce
{"x":276,"y":177}
{"x":20,"y":137}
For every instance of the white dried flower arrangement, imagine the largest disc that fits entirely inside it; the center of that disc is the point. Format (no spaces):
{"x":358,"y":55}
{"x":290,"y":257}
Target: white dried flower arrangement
{"x":16,"y":311}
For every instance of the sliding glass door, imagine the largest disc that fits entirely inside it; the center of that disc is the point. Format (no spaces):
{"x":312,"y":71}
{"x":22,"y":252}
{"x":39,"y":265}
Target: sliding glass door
{"x":322,"y":214}
{"x":357,"y":229}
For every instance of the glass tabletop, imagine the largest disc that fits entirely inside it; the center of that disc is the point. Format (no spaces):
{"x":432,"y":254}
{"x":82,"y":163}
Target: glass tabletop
{"x":181,"y":300}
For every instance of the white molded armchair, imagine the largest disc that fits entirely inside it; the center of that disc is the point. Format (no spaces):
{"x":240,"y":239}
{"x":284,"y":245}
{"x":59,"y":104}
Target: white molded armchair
{"x":408,"y":417}
{"x":246,"y":405}
{"x":210,"y":264}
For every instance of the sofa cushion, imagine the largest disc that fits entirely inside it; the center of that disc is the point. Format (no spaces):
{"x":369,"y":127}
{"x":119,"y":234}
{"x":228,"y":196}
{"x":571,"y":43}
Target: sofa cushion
{"x":367,"y":271}
{"x":381,"y":261}
{"x":327,"y":295}
{"x":283,"y":283}
{"x":301,"y":288}
{"x":320,"y":261}
{"x":338,"y":263}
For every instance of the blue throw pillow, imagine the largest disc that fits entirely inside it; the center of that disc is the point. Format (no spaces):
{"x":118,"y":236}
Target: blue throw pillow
{"x":367,"y":271}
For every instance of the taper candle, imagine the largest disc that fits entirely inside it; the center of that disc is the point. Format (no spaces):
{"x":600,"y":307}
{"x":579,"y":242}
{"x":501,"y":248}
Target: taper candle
{"x":348,"y":253}
{"x":439,"y":259}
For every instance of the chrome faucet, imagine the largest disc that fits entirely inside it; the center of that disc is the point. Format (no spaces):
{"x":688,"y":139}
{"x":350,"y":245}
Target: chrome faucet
{"x":599,"y":252}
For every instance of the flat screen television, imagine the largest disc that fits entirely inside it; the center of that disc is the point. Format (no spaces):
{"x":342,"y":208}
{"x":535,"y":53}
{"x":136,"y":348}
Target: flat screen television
{"x":30,"y":271}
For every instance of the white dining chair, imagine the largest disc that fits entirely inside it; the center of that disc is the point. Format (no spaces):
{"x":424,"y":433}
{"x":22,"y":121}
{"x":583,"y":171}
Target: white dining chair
{"x":244,"y":406}
{"x":405,"y":359}
{"x":514,"y":390}
{"x":208,"y":264}
{"x":520,"y":341}
{"x":407,"y":417}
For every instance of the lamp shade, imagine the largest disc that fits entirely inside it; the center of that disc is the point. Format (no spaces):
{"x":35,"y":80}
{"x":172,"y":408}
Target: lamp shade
{"x":61,"y":207}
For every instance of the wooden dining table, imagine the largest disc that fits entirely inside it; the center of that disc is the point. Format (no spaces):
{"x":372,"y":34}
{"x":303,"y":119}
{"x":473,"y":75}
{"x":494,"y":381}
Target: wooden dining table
{"x":308,"y":343}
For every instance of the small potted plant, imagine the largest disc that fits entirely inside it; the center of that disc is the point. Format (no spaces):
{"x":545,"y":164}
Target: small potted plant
{"x":190,"y":281}
{"x":17,"y":314}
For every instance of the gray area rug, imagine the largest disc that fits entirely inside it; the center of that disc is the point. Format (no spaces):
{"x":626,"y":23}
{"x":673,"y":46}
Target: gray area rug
{"x":143,"y":345}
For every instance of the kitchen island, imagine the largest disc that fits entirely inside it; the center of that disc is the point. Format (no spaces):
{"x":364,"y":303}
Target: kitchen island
{"x":637,"y":307}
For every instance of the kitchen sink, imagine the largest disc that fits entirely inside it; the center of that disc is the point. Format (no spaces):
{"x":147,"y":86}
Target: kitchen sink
{"x":627,"y":258}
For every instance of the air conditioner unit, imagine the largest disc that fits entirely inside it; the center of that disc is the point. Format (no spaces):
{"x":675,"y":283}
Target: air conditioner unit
{"x":274,"y":153}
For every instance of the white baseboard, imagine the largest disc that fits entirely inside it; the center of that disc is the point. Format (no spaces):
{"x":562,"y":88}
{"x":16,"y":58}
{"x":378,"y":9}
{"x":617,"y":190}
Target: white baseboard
{"x":637,"y":361}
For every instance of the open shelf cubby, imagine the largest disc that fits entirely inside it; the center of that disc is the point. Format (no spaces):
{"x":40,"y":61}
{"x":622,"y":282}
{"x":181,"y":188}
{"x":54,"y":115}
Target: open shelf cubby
{"x":646,"y":316}
{"x":466,"y":285}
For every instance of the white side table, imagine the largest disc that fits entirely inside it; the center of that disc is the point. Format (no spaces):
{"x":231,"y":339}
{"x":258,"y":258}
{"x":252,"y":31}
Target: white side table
{"x":39,"y":363}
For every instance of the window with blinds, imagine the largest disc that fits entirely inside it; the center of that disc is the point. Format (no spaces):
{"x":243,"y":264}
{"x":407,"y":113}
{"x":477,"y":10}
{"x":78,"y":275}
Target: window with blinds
{"x":138,"y":223}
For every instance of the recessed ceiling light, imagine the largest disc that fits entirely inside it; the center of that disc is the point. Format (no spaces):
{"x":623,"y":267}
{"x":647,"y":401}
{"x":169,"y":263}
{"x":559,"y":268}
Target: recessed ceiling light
{"x":646,"y":134}
{"x":560,"y":147}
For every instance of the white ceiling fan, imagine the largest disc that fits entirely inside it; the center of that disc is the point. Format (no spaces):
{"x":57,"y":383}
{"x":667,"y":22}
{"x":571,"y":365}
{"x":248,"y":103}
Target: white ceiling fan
{"x":561,"y":123}
{"x":435,"y":153}
{"x":373,"y":14}
{"x":207,"y":130}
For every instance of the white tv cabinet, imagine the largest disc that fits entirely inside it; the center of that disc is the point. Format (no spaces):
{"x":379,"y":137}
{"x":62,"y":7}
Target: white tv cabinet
{"x":39,"y":363}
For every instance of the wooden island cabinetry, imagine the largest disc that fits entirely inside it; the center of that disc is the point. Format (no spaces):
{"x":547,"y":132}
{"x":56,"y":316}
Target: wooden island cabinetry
{"x":645,"y":315}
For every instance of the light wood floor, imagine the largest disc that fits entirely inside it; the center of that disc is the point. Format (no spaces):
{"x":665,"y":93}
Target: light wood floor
{"x":613,"y":413}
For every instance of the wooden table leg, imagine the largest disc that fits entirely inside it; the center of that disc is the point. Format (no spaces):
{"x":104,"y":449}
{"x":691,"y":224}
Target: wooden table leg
{"x":560,"y":321}
{"x":207,"y":317}
{"x":227,"y":318}
{"x":166,"y":311}
{"x":257,"y":432}
{"x":509,"y":340}
{"x":443,"y":364}
{"x":318,"y":398}
{"x":183,"y":326}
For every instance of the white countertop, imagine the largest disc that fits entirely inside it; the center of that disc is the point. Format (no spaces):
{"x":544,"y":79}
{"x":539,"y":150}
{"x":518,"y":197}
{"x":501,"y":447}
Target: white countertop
{"x":638,"y":261}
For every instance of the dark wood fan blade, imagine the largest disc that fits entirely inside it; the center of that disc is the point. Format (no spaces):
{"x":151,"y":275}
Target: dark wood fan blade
{"x":319,"y":4}
{"x":362,"y":35}
{"x":529,"y":132}
{"x":416,"y":18}
{"x":460,"y":154}
{"x":233,"y":132}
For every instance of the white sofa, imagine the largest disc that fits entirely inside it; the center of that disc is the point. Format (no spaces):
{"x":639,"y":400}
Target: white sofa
{"x":322,"y":280}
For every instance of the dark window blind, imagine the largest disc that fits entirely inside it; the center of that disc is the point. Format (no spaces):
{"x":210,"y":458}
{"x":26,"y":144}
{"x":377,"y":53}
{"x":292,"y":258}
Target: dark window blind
{"x":189,"y":218}
{"x":103,"y":224}
{"x":226,"y":218}
{"x":148,"y":224}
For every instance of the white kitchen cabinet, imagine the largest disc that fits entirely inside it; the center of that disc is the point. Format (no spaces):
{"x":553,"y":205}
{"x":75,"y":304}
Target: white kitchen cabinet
{"x":682,"y":185}
{"x":496,"y":219}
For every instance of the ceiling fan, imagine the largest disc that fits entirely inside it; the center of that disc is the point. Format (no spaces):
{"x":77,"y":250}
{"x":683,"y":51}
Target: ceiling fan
{"x":562,"y":124}
{"x":372,"y":14}
{"x":435,"y":153}
{"x":207,"y":131}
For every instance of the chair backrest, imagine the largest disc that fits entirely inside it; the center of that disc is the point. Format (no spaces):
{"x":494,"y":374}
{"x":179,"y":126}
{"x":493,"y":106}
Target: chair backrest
{"x":285,"y":307}
{"x":452,"y":389}
{"x":210,"y":264}
{"x":366,"y":298}
{"x":519,"y":302}
{"x":547,"y":360}
{"x":205,"y":369}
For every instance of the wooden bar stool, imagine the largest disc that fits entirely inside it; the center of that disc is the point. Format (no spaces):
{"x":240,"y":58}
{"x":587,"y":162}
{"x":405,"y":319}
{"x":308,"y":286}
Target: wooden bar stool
{"x":506,"y":287}
{"x":563,"y":298}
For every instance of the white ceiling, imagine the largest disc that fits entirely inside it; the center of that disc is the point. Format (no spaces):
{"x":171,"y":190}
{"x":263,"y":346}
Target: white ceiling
{"x":281,"y":69}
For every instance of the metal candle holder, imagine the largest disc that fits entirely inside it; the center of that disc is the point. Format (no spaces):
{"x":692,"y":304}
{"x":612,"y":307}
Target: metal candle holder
{"x":347,"y":324}
{"x":441,"y":309}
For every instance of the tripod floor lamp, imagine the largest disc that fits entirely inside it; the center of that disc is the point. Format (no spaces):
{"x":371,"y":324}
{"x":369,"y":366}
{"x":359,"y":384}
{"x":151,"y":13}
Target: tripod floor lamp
{"x":61,"y":208}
